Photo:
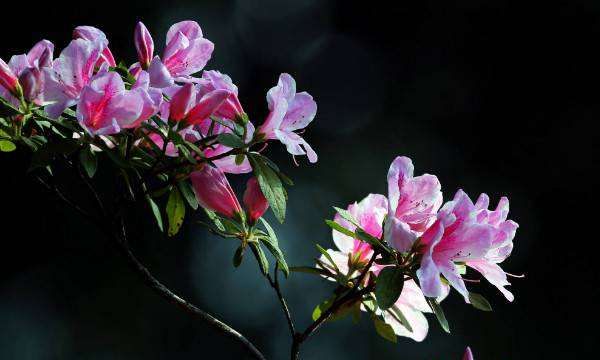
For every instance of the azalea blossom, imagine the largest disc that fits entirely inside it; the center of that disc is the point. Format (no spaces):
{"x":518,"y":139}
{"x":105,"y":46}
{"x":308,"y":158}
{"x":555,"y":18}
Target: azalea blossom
{"x":186,"y":53}
{"x":23,"y":73}
{"x":214,"y":80}
{"x":353,"y":253}
{"x":105,"y":106}
{"x":96,"y":35}
{"x":69,"y":74}
{"x":193,"y":107}
{"x":254,"y":201}
{"x":413,"y":203}
{"x":466,"y":233}
{"x":214,"y":192}
{"x":289,"y":112}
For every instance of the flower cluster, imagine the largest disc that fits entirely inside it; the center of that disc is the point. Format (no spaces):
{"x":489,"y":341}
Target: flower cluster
{"x":172,"y":132}
{"x":414,"y":249}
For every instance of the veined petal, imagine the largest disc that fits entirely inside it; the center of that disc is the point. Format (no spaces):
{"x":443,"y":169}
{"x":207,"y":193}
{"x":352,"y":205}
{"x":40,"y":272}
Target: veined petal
{"x":296,"y":145}
{"x":494,"y":274}
{"x":190,"y":29}
{"x":301,"y":111}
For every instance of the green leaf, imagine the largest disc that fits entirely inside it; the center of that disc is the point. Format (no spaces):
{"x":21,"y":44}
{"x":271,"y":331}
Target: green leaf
{"x":389,"y":286}
{"x":7,"y":146}
{"x":384,"y":330}
{"x":328,"y":257}
{"x":346,"y":215}
{"x":272,"y":245}
{"x":439,"y":313}
{"x":175,"y":212}
{"x":239,"y":159}
{"x":321,"y":308}
{"x":270,"y":185}
{"x":231,"y":140}
{"x":188,"y":194}
{"x":339,"y":228}
{"x":373,"y":241}
{"x":238,"y":256}
{"x":89,"y":161}
{"x":399,"y":316}
{"x":156,"y":212}
{"x":260,"y":257}
{"x":479,"y":302}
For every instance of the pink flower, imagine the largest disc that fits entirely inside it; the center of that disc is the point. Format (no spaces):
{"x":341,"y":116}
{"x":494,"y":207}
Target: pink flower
{"x":93,"y":34}
{"x":186,"y":53}
{"x":23,"y":73}
{"x":193,"y":107}
{"x":69,"y":74}
{"x":214,"y":80}
{"x":468,"y":354}
{"x":105,"y":106}
{"x":289,"y":112}
{"x":370,"y":213}
{"x":468,"y":233}
{"x":414,"y":202}
{"x":412,"y":305}
{"x":254,"y":201}
{"x":214,"y":192}
{"x":143,"y":44}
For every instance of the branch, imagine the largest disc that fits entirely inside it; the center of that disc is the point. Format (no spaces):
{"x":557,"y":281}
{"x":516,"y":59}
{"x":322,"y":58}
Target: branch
{"x":354,"y":293}
{"x":284,"y":306}
{"x":120,"y":240}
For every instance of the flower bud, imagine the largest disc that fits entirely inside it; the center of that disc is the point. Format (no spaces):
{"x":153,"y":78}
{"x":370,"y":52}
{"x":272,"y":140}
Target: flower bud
{"x":8,"y":79}
{"x":182,"y":102}
{"x":468,"y":354}
{"x":254,"y":201}
{"x":30,"y":80}
{"x":144,"y":45}
{"x":214,"y":193}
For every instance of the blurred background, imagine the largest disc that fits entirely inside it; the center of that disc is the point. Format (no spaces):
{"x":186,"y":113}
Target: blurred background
{"x":498,"y":97}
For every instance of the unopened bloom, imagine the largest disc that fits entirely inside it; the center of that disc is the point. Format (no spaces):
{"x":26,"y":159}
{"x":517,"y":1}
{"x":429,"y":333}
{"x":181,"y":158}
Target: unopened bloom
{"x":413,"y":203}
{"x":189,"y":105}
{"x":8,"y":80}
{"x":468,"y":233}
{"x":105,"y":106}
{"x":354,"y":253}
{"x":70,"y":72}
{"x":254,"y":200}
{"x":144,"y":45}
{"x":214,"y":193}
{"x":468,"y":354}
{"x":289,"y":112}
{"x":96,"y":35}
{"x":186,"y":53}
{"x":23,"y":73}
{"x":214,"y":80}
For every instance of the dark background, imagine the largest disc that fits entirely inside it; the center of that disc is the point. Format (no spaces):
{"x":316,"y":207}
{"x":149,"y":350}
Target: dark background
{"x":497,"y":96}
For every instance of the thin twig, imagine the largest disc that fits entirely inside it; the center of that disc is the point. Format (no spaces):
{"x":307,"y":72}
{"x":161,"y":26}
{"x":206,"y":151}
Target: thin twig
{"x":352,"y":294}
{"x":120,"y":240}
{"x":275,"y":285}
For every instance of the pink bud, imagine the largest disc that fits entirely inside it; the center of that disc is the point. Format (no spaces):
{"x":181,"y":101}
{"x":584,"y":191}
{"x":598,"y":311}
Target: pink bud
{"x":255,"y":202}
{"x":8,"y":80}
{"x":182,"y":102}
{"x":30,"y":80}
{"x":214,"y":192}
{"x":468,"y":354}
{"x":143,"y":44}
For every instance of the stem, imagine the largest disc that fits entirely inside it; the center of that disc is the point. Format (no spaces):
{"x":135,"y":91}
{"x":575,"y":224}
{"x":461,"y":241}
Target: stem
{"x":119,"y":238}
{"x":353,"y":294}
{"x":275,"y":285}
